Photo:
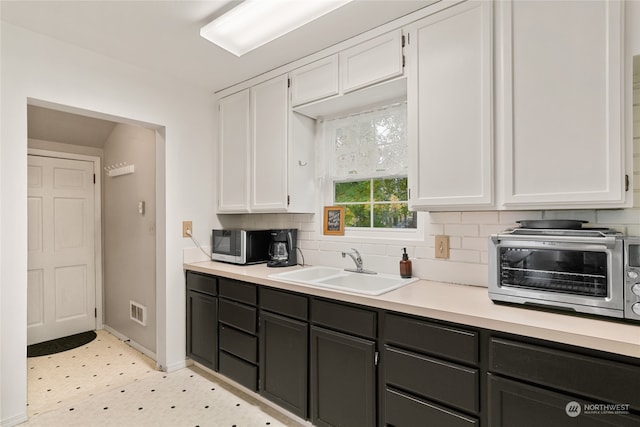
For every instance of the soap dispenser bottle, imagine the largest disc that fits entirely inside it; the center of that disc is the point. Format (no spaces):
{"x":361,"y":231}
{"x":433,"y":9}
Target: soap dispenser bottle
{"x":405,"y":265}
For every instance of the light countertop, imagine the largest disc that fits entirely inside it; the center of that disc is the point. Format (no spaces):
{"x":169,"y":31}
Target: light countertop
{"x":467,"y":305}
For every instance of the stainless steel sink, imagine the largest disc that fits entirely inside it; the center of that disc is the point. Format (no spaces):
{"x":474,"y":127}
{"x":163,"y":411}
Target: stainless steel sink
{"x":336,"y":278}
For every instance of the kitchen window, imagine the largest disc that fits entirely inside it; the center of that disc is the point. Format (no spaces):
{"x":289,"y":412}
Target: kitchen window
{"x":366,"y":165}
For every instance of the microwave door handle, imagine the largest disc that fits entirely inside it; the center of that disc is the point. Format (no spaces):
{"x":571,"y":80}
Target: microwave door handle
{"x":608,"y":241}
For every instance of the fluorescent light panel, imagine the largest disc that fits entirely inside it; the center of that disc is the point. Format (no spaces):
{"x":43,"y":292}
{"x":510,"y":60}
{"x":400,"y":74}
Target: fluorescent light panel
{"x":254,"y":23}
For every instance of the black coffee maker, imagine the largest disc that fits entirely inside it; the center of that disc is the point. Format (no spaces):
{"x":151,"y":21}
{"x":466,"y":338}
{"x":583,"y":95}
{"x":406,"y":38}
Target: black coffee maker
{"x":282,"y":248}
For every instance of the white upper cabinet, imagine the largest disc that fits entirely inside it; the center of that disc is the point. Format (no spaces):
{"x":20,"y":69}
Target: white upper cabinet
{"x":266,"y":152}
{"x":371,"y":62}
{"x":560,"y":103}
{"x":315,"y":81}
{"x":364,"y":75}
{"x":449,"y":106}
{"x":234,"y":153}
{"x":269,"y":121}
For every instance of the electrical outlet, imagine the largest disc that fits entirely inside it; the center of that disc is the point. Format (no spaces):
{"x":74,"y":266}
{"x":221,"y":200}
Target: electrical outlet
{"x":442,"y":247}
{"x":187,"y":229}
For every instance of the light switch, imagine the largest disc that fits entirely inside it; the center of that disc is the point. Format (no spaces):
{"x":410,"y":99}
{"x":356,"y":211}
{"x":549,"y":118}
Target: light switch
{"x":141,"y":207}
{"x":442,"y":247}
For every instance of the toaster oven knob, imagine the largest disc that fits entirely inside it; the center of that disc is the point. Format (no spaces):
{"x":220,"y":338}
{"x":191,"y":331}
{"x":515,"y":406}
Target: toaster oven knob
{"x":636,"y":289}
{"x":632,"y":274}
{"x":636,"y":308}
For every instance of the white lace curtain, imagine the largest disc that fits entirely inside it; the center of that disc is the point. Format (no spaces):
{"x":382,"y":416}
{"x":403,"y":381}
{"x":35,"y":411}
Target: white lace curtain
{"x":367,"y":145}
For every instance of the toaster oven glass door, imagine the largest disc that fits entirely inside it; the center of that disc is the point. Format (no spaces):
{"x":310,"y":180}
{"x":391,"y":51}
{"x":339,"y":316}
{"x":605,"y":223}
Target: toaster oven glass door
{"x":572,"y":272}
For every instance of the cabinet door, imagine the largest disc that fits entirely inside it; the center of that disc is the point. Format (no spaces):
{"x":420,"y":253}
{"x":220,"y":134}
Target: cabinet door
{"x":202,"y":328}
{"x":449,"y":109}
{"x":269,"y":108}
{"x":234,"y":154}
{"x":371,"y":62}
{"x":343,"y":380}
{"x":315,"y":81}
{"x":513,"y":403}
{"x":560,"y":105}
{"x":284,"y":362}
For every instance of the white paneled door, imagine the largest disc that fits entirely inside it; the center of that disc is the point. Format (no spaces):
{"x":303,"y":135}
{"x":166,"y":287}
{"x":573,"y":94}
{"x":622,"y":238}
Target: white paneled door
{"x":61,"y":295}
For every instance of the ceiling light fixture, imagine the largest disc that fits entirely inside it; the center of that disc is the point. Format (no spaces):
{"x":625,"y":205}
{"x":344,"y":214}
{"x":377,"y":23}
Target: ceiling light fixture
{"x":254,"y":23}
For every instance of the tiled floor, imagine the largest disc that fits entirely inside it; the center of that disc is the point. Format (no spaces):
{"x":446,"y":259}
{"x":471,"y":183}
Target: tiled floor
{"x":107,"y":383}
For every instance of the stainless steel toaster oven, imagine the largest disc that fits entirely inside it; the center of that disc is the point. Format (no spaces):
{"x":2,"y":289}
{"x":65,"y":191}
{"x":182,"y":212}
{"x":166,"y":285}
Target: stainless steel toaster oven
{"x":585,"y":270}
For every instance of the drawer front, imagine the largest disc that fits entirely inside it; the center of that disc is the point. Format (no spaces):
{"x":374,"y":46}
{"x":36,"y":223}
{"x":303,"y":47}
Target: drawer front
{"x":242,"y":372}
{"x":238,"y":315}
{"x":512,"y":403}
{"x":441,"y":381}
{"x":344,"y":318}
{"x":432,"y":338}
{"x":239,"y":343}
{"x":238,"y":291}
{"x":575,"y":373}
{"x":285,"y":303}
{"x":402,"y":410}
{"x":202,"y":283}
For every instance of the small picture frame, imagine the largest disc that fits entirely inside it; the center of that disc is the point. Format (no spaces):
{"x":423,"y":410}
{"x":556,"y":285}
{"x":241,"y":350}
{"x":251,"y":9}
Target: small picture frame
{"x":334,"y":220}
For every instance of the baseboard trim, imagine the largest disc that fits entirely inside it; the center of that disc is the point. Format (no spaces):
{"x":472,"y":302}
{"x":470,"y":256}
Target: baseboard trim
{"x":131,"y":343}
{"x":15,"y":420}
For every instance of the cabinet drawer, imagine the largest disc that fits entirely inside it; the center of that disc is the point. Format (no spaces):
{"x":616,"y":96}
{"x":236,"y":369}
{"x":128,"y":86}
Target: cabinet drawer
{"x":439,"y":340}
{"x":242,"y":372}
{"x":512,"y":403}
{"x":238,"y":291}
{"x":285,"y":303}
{"x":402,"y":410}
{"x":202,"y":283}
{"x":238,"y":343}
{"x":344,"y":318}
{"x":238,"y":315}
{"x":571,"y":372}
{"x":441,"y":381}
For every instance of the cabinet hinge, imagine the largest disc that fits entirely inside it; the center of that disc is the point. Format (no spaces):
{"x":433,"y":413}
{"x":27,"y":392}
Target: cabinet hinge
{"x":288,"y":200}
{"x":95,"y":312}
{"x":626,"y":182}
{"x":403,"y":40}
{"x":376,"y":358}
{"x":288,"y":82}
{"x":403,"y":61}
{"x":94,"y":178}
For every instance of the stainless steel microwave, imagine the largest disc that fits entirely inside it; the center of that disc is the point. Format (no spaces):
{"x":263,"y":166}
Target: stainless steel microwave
{"x":594,"y":271}
{"x":239,"y":246}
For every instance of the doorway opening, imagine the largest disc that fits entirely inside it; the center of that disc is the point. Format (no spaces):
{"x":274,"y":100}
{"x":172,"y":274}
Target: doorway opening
{"x":128,"y":211}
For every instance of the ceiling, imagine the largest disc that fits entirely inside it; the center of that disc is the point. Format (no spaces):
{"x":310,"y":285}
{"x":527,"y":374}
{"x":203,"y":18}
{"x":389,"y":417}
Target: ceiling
{"x":164,"y":36}
{"x":59,"y":126}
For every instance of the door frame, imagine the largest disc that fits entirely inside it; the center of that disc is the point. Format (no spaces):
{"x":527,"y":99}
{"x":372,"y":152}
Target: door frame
{"x":97,"y":203}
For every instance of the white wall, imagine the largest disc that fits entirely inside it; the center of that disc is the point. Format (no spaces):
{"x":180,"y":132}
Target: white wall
{"x":40,"y":68}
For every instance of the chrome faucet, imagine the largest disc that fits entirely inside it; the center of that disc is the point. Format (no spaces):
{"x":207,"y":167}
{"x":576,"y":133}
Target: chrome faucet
{"x":357,"y":259}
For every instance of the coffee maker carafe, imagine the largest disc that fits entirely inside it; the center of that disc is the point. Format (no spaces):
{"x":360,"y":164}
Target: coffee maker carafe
{"x":282,"y":248}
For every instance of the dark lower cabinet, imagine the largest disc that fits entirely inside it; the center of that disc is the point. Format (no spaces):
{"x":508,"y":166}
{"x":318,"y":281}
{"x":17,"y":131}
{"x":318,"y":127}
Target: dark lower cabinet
{"x":318,"y":359}
{"x":284,"y":345}
{"x":238,"y":340}
{"x":512,"y":403}
{"x":406,"y":410}
{"x":202,"y":320}
{"x":343,"y":379}
{"x":430,"y":373}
